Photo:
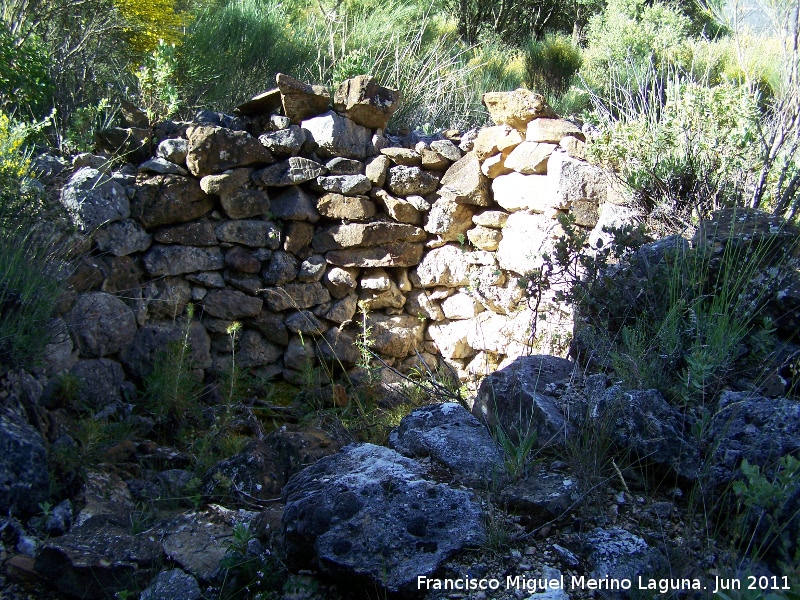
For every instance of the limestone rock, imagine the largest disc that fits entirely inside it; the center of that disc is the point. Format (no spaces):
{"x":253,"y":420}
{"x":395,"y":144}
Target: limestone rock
{"x":421,"y":305}
{"x":535,"y":193}
{"x":494,"y":166}
{"x":398,"y":209}
{"x":529,"y":158}
{"x":122,"y":238}
{"x":516,"y":399}
{"x":485,"y":238}
{"x":446,"y":266}
{"x":388,"y":538}
{"x":298,"y":236}
{"x":199,"y":233}
{"x":341,"y":281}
{"x":344,"y":166}
{"x":525,"y":238}
{"x":617,"y":554}
{"x":102,"y":382}
{"x":175,"y":260}
{"x":396,"y":335}
{"x":343,"y":310}
{"x":350,"y":208}
{"x":552,"y":131}
{"x":215,"y":149}
{"x":449,"y":220}
{"x":101,"y":324}
{"x":337,"y":136}
{"x":377,"y":233}
{"x":399,"y":254}
{"x":378,"y":299}
{"x":304,"y":321}
{"x":283,"y":268}
{"x":301,"y":100}
{"x":451,"y":436}
{"x":255,"y":351}
{"x":312,"y":269}
{"x":168,"y":199}
{"x":93,"y":199}
{"x":172,"y":584}
{"x":447,"y":149}
{"x":464,"y":182}
{"x":461,"y":305}
{"x":376,"y":170}
{"x":543,"y":496}
{"x":405,"y":181}
{"x":516,"y":108}
{"x":366,"y":102}
{"x":494,"y":219}
{"x":450,"y":338}
{"x":500,"y":139}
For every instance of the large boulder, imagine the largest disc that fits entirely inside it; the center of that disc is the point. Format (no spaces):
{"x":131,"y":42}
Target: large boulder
{"x":24,"y":481}
{"x":518,"y":399}
{"x":450,"y":435}
{"x":368,"y":515}
{"x":101,"y":324}
{"x":93,"y":199}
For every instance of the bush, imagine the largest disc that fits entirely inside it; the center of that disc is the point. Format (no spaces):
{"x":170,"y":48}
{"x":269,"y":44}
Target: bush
{"x":551,"y":62}
{"x":25,"y":84}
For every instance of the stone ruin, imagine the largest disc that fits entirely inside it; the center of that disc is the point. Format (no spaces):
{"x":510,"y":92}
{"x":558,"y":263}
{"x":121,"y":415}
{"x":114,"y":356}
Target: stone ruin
{"x":290,"y":216}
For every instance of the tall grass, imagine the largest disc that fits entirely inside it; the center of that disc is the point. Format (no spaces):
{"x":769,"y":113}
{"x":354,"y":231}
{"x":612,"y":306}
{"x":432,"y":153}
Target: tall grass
{"x":233,"y":50}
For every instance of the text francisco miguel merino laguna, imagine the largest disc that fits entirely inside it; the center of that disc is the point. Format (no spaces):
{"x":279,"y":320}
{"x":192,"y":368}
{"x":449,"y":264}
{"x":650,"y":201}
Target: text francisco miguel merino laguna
{"x":541,"y":584}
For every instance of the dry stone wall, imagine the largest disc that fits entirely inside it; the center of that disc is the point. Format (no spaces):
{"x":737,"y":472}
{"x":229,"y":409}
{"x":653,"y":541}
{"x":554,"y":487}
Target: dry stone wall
{"x":287,"y":223}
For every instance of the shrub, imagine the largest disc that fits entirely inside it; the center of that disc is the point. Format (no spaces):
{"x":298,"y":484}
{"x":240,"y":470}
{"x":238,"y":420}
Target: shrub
{"x":25,"y":84}
{"x":158,"y":94}
{"x":551,"y":62}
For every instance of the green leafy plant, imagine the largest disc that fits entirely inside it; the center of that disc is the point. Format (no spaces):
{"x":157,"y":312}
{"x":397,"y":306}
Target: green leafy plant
{"x":516,"y":452}
{"x":85,"y":122}
{"x":551,"y":62}
{"x":158,"y":92}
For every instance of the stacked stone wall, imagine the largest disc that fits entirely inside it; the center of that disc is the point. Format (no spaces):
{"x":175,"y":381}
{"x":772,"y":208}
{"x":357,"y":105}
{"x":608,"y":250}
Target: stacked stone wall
{"x":294,"y":214}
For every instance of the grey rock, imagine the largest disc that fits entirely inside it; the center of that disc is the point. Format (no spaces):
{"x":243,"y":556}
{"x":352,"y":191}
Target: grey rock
{"x":341,"y":282}
{"x":59,"y":520}
{"x":450,"y":435}
{"x":543,"y":495}
{"x":446,"y":266}
{"x":249,"y":232}
{"x":101,"y":324}
{"x":297,"y":236}
{"x":271,"y":325}
{"x":153,"y":340}
{"x":395,"y":335}
{"x":304,"y":321}
{"x":405,"y":181}
{"x":464,"y":183}
{"x":295,"y":205}
{"x":97,"y":559}
{"x":93,"y":199}
{"x":122,"y":238}
{"x":338,"y":349}
{"x":102,"y":382}
{"x":173,"y":584}
{"x":24,"y":481}
{"x":284,"y":141}
{"x":618,"y":554}
{"x":242,"y":260}
{"x":295,"y":295}
{"x":255,"y":351}
{"x":294,"y":171}
{"x":282,"y":269}
{"x":226,"y":182}
{"x":366,"y":102}
{"x":174,"y":150}
{"x":161,"y":166}
{"x":231,"y":305}
{"x":299,"y":354}
{"x":643,"y":422}
{"x":376,"y":170}
{"x":198,"y":233}
{"x":369,"y":513}
{"x":447,"y":149}
{"x":400,"y":254}
{"x":334,"y":135}
{"x":351,"y":185}
{"x":243,"y":204}
{"x":377,"y":233}
{"x":344,"y":166}
{"x":209,"y":279}
{"x":516,"y":399}
{"x":168,"y":199}
{"x":342,"y":311}
{"x":131,"y":143}
{"x":215,"y":149}
{"x":301,"y":100}
{"x":312,"y":269}
{"x":176,"y":260}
